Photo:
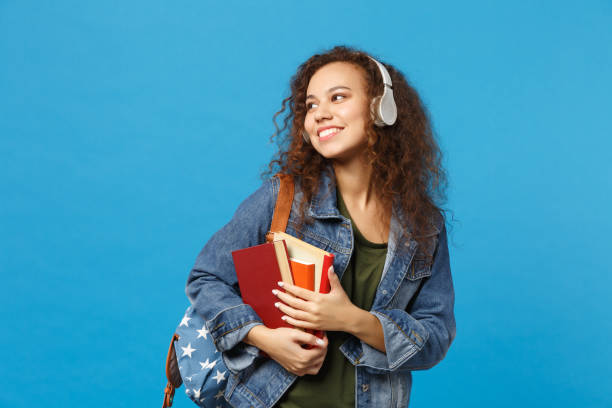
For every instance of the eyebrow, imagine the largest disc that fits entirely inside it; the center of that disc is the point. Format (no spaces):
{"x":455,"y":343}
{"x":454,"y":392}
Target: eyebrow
{"x":330,"y":90}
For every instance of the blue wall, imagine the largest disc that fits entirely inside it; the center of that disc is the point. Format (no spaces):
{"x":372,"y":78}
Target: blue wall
{"x":130,"y":131}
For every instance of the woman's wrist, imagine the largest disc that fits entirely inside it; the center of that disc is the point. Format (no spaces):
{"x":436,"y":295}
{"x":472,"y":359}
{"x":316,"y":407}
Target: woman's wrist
{"x":366,"y":327}
{"x":256,"y":336}
{"x":355,"y":321}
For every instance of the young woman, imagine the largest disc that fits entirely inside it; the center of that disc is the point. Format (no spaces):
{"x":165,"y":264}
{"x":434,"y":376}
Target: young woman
{"x":368,"y":181}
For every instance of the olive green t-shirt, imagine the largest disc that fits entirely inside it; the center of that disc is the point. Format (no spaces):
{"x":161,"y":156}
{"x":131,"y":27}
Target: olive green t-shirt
{"x":334,"y":385}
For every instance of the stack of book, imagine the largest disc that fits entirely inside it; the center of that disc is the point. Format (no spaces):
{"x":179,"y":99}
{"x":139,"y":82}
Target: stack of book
{"x":286,"y":258}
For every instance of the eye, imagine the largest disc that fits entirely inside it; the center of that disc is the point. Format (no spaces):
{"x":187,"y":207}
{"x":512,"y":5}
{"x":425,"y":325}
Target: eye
{"x":337,"y":97}
{"x":310,"y":105}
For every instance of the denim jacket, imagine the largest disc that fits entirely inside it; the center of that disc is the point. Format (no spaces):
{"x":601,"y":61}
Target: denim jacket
{"x":413,"y":302}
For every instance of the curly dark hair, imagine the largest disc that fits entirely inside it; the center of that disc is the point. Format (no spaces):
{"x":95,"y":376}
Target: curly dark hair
{"x":405,"y":158}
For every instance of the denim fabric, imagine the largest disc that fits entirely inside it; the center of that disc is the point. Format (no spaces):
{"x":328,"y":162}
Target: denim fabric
{"x":414,"y":300}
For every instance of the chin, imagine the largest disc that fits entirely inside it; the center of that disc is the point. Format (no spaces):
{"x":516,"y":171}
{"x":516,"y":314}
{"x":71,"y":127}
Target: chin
{"x":328,"y":152}
{"x":340,"y":153}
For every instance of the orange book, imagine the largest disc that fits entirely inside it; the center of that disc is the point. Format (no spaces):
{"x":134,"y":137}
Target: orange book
{"x":306,"y":252}
{"x":303,"y":273}
{"x":322,"y":260}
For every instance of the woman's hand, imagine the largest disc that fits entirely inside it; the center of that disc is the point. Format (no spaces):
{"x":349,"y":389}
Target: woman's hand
{"x":284,"y":345}
{"x":310,"y":310}
{"x":332,"y":311}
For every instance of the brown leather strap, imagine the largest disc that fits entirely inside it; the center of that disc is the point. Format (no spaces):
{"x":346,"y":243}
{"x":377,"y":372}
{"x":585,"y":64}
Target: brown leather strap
{"x":283,"y":205}
{"x":172,"y":373}
{"x":168,"y":395}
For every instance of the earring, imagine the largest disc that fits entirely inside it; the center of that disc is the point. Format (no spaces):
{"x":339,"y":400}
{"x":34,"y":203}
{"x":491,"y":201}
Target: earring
{"x":306,"y":136}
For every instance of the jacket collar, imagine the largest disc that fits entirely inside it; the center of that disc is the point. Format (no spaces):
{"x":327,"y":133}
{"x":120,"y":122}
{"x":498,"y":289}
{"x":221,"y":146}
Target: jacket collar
{"x":324,"y":202}
{"x":323,"y":205}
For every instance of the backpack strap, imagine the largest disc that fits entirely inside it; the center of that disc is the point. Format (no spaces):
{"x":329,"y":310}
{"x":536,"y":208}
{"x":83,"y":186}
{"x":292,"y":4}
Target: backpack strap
{"x":172,"y":374}
{"x":282,"y":207}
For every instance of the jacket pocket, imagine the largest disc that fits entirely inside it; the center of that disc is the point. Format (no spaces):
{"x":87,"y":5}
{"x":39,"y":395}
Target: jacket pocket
{"x":421,"y":264}
{"x":419,"y":268}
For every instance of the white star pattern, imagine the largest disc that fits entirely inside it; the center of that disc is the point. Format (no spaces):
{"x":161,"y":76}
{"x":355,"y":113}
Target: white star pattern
{"x":185,"y":321}
{"x":207,"y":364}
{"x":188,"y":350}
{"x":220,"y":376}
{"x":211,"y":364}
{"x":202,"y":333}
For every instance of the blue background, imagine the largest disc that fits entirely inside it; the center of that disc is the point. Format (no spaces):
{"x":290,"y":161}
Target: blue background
{"x":130,"y":132}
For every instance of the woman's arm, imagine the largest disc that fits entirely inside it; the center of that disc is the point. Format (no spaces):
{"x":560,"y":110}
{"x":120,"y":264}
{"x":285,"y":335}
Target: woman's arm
{"x":419,"y":337}
{"x":212,"y":288}
{"x":212,"y":285}
{"x":416,"y":338}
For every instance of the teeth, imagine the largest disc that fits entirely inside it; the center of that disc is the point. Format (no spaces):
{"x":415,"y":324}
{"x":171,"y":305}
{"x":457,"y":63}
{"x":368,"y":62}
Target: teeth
{"x":329,"y":131}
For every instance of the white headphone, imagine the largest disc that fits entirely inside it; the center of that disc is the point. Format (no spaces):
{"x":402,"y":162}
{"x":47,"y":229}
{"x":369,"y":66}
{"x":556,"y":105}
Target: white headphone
{"x":382,"y":108}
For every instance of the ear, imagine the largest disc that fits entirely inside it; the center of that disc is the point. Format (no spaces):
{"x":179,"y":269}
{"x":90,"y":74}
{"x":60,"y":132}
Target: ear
{"x":374,"y":108}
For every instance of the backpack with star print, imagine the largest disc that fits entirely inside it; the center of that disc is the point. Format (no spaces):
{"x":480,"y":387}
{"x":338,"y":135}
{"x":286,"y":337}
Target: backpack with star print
{"x":193,"y":359}
{"x":199,"y":362}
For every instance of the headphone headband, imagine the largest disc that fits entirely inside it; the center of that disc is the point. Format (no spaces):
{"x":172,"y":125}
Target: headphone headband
{"x":384,"y":73}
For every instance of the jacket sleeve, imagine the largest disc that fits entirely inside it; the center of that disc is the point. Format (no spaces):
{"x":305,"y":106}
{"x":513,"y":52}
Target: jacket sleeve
{"x":419,"y":337}
{"x":212,"y":285}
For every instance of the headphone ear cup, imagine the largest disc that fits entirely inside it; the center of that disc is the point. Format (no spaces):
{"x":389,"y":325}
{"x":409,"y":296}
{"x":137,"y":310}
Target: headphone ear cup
{"x":387,"y":108}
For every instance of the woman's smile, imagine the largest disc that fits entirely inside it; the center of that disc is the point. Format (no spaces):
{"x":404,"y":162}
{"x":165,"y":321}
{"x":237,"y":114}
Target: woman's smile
{"x":328,"y":132}
{"x":337,"y":105}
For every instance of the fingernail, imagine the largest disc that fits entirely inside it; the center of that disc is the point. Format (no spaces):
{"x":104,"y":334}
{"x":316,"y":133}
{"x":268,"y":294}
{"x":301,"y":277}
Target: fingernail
{"x":276,"y":304}
{"x":275,"y":291}
{"x":281,"y":284}
{"x":283,"y":317}
{"x":320,"y":342}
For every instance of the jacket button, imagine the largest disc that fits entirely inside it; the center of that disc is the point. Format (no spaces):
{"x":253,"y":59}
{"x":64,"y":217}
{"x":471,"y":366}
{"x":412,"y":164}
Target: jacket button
{"x":365,"y":387}
{"x":385,"y":292}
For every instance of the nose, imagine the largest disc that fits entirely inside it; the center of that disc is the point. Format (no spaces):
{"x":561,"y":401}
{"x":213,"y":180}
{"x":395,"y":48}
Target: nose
{"x":322,"y":113}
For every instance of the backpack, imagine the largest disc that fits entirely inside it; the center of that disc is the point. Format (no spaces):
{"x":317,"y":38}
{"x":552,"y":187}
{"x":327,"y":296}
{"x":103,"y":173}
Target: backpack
{"x":192,"y":358}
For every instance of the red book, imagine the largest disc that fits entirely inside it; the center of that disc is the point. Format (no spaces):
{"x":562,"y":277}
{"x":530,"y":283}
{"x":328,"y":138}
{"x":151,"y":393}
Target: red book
{"x":259,"y":269}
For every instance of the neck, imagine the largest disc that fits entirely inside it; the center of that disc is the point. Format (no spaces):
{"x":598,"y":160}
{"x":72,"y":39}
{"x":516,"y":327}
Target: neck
{"x":353,"y":181}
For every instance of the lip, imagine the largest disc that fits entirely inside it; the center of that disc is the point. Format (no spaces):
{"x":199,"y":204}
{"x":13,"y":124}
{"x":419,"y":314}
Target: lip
{"x":324,"y":138}
{"x":319,"y":130}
